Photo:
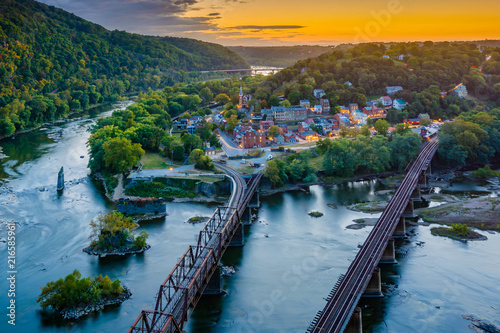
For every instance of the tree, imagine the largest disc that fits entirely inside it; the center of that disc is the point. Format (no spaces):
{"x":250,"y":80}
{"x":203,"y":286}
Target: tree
{"x":273,"y":101}
{"x":285,"y":103}
{"x":178,"y":153}
{"x":231,"y":123}
{"x":195,"y":155}
{"x":365,"y":130}
{"x":402,"y":129}
{"x":206,"y":95}
{"x":381,"y":126}
{"x":340,"y":159}
{"x":222,"y":99}
{"x":273,"y":131}
{"x":120,"y":154}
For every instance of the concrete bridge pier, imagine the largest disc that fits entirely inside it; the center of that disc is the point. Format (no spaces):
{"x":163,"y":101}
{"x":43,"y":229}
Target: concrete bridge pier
{"x":374,"y":287}
{"x":400,"y":231}
{"x":246,"y":218}
{"x":416,"y":195}
{"x":214,"y":286}
{"x":238,"y":237}
{"x":389,"y":255}
{"x":355,"y":323}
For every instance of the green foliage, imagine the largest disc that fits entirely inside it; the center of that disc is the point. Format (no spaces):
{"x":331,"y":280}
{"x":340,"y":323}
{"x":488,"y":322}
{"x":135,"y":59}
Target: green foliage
{"x":273,"y":131}
{"x":200,"y":160}
{"x":73,"y":291}
{"x":55,"y":62}
{"x":111,"y":230}
{"x":157,"y":190}
{"x":485,"y":173}
{"x":120,"y":154}
{"x":461,"y":229}
{"x":140,"y":241}
{"x":381,"y":126}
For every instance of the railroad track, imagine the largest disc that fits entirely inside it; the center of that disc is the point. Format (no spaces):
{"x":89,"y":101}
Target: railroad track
{"x":341,"y":305}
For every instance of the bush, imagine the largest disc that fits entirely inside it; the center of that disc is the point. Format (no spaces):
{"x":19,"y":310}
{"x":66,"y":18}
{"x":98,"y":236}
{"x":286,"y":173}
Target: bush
{"x":485,"y":173}
{"x":73,"y":291}
{"x":461,"y":229}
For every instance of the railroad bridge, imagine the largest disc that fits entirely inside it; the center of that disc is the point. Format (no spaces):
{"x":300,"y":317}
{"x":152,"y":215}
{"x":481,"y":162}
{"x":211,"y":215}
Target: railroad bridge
{"x":198,"y":272}
{"x":363,"y":277}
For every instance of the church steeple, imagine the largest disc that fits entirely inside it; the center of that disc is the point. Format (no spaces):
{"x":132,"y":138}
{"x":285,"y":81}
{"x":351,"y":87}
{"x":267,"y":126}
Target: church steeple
{"x":241,"y":91}
{"x":240,"y":105}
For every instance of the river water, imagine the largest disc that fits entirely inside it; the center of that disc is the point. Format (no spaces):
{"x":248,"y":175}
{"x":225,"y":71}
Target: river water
{"x":288,"y":265}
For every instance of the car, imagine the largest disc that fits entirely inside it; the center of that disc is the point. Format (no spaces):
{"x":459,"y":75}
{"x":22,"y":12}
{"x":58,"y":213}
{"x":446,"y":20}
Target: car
{"x":270,"y":157}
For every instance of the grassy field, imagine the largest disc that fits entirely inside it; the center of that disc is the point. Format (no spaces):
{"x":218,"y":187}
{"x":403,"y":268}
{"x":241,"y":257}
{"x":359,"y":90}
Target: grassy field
{"x":153,"y":161}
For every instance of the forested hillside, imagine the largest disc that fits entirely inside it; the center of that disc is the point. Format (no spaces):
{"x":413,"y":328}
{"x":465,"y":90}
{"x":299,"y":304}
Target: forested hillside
{"x":53,"y":62}
{"x":424,"y":71}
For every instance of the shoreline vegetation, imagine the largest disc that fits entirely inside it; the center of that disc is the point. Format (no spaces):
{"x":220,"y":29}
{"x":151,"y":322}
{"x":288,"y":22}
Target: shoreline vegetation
{"x":112,"y":234}
{"x":74,"y":296}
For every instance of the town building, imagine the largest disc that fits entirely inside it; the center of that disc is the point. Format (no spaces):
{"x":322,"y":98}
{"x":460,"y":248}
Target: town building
{"x":325,"y":104}
{"x":393,"y":89}
{"x":460,"y":90}
{"x":244,"y":99}
{"x":280,"y":113}
{"x":386,"y":101}
{"x":349,"y":84}
{"x":305,"y":103}
{"x":358,"y":117}
{"x":318,"y":93}
{"x":317,"y":109}
{"x":290,"y":137}
{"x":252,"y":139}
{"x":399,"y":104}
{"x":303,"y":127}
{"x":353,"y":107}
{"x":374,"y":112}
{"x":279,"y":139}
{"x":210,"y":151}
{"x":284,"y":128}
{"x":309,"y":136}
{"x":264,"y":125}
{"x":342,"y":120}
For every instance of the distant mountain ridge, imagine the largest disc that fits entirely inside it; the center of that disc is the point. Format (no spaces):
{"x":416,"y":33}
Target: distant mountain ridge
{"x":52,"y":62}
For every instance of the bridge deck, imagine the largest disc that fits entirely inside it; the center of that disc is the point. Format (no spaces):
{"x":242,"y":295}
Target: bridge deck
{"x":339,"y":308}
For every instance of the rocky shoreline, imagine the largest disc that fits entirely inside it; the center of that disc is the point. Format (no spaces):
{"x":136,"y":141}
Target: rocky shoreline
{"x":121,"y":251}
{"x":75,"y":313}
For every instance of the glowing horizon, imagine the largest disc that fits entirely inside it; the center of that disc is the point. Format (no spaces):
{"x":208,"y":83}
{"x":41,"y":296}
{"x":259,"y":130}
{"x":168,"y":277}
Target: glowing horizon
{"x":278,"y":23}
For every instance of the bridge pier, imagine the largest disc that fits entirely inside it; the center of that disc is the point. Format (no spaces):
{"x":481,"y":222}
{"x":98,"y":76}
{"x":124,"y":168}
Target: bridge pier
{"x":355,"y":323}
{"x":214,"y":286}
{"x":238,"y":237}
{"x":416,"y":194}
{"x":389,"y":255}
{"x":400,"y":231}
{"x":374,"y":287}
{"x":246,"y":218}
{"x":409,"y":210}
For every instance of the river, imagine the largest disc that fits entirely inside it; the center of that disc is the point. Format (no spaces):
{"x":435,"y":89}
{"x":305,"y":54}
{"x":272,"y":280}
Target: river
{"x":288,"y":265}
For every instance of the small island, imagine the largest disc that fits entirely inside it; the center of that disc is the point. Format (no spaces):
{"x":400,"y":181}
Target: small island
{"x":315,"y":214}
{"x":459,"y":232}
{"x":74,"y":297}
{"x":112,"y":234}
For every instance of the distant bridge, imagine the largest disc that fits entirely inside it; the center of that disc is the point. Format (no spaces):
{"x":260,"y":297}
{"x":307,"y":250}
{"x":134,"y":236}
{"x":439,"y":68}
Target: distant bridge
{"x":253,"y":70}
{"x":363,"y":276}
{"x":198,"y":271}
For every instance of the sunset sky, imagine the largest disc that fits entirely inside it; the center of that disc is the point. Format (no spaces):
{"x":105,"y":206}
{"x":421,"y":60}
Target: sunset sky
{"x":295,"y":22}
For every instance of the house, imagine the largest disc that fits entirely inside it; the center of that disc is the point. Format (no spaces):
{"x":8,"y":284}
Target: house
{"x":401,"y":57}
{"x":279,"y":139}
{"x":194,"y":120}
{"x":412,"y":121}
{"x":238,"y":129}
{"x":251,"y":138}
{"x":334,"y":122}
{"x":218,"y":118}
{"x":264,"y":125}
{"x":290,"y":137}
{"x":399,"y":104}
{"x":374,"y":112}
{"x":309,"y":121}
{"x":460,"y":90}
{"x":358,"y":117}
{"x":349,"y":84}
{"x":318,"y":93}
{"x":424,"y":116}
{"x":210,"y":151}
{"x":303,"y":127}
{"x":309,"y":135}
{"x":191,"y":129}
{"x":353,"y":107}
{"x":280,"y":113}
{"x":342,"y":120}
{"x":386,"y":101}
{"x":317,"y":109}
{"x":344,"y":109}
{"x":393,"y":89}
{"x":305,"y":103}
{"x":325,"y":104}
{"x":284,"y":128}
{"x":385,"y":56}
{"x":426,"y":132}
